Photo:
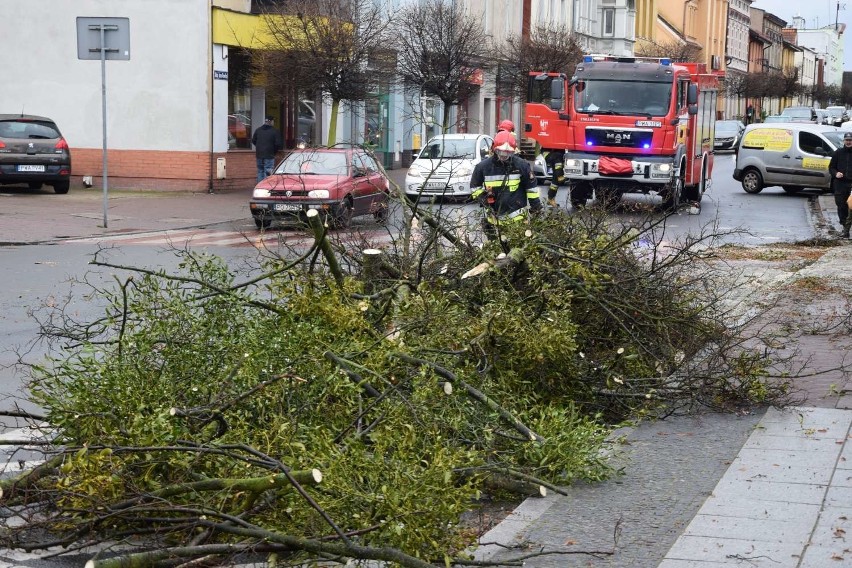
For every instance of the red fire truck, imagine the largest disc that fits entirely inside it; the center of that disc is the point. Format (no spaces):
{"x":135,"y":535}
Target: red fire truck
{"x":627,"y":125}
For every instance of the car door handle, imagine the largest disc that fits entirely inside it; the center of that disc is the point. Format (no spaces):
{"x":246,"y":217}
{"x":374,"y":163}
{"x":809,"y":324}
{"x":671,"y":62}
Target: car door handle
{"x":785,"y":156}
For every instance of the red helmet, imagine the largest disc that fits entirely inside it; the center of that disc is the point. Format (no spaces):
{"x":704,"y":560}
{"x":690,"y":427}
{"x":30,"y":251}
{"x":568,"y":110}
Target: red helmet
{"x":506,"y":125}
{"x":504,"y":145}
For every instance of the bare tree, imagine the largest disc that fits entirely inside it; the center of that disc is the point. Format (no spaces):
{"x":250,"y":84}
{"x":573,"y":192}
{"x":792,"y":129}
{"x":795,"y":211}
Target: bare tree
{"x":336,"y":47}
{"x":438,"y":48}
{"x":549,"y":48}
{"x":674,"y":50}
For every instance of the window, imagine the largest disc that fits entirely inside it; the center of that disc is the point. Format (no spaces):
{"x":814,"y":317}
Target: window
{"x":810,"y":142}
{"x":608,"y":22}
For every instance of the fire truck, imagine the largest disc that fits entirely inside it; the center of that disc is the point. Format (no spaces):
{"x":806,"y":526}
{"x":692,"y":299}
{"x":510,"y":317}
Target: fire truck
{"x":627,"y":125}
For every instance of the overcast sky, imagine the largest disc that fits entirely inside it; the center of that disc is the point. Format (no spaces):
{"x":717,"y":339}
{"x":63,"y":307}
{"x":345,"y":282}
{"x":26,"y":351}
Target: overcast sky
{"x":817,"y":13}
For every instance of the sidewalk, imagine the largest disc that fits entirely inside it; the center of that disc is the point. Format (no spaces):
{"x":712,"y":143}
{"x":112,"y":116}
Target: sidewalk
{"x":767,"y":489}
{"x":28,"y":217}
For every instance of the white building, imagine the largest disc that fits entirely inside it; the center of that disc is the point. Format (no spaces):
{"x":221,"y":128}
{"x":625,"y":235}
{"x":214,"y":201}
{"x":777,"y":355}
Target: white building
{"x":606,"y":26}
{"x":827,"y":42}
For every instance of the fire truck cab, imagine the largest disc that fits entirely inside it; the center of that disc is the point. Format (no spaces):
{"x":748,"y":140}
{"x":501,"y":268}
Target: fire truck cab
{"x":627,"y":125}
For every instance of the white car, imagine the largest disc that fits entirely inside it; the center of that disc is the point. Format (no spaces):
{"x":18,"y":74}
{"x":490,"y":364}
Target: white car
{"x":444,"y":165}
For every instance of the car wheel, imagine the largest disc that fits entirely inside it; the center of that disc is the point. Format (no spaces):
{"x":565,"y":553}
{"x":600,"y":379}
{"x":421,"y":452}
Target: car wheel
{"x":673,"y":193}
{"x":61,"y":187}
{"x":343,"y":215}
{"x":752,"y":181}
{"x":792,"y":190}
{"x":381,"y":214}
{"x":35,"y":185}
{"x":262,"y":223}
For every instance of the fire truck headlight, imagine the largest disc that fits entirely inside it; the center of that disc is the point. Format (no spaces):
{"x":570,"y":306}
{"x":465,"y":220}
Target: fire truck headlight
{"x":661,"y":170}
{"x":573,"y":166}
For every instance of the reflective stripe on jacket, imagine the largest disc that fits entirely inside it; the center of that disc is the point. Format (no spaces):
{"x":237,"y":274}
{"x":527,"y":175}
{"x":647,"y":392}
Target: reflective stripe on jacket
{"x":511,"y":183}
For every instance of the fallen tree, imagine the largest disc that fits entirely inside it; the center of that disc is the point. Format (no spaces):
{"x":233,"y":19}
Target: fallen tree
{"x":348,"y":404}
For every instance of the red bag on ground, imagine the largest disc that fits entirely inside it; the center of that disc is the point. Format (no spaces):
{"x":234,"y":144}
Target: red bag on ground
{"x":608,"y":165}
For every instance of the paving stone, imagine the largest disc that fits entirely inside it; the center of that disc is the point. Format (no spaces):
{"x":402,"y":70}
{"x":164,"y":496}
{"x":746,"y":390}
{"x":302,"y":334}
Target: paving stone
{"x":736,"y":552}
{"x":794,"y":530}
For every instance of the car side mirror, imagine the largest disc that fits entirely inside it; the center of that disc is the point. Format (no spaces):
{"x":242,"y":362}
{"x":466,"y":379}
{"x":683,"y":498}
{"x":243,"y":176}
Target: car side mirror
{"x":820,"y":151}
{"x":359,"y":172}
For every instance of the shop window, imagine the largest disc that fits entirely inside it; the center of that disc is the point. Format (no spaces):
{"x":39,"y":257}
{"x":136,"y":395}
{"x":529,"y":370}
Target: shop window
{"x":239,"y":98}
{"x":239,"y":118}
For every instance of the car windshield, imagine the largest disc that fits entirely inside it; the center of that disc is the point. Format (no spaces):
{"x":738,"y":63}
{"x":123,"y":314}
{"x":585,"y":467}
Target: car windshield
{"x":775,"y":118}
{"x":438,"y":148}
{"x":835,"y":111}
{"x":27,"y":129}
{"x":797,"y":112}
{"x":314,"y":163}
{"x":629,"y":98}
{"x":727,"y":126}
{"x":835,"y":137}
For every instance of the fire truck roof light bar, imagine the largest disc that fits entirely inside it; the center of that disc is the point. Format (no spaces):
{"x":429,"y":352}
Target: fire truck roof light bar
{"x":592,"y":58}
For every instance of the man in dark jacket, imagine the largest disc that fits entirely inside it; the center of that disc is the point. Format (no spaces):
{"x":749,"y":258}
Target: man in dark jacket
{"x":267,"y":141}
{"x":840,"y":168}
{"x":505,"y":185}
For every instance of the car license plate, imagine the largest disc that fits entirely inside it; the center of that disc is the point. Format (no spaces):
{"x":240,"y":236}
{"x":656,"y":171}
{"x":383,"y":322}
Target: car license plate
{"x":287,"y":207}
{"x":436,"y":185}
{"x":29,"y":168}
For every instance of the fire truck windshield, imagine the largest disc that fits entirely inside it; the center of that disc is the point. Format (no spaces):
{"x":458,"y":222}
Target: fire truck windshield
{"x":630,"y":98}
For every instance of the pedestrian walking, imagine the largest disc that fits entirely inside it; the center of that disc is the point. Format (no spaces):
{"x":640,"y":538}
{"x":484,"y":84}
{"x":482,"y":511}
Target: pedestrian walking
{"x":267,"y":142}
{"x":840,"y":168}
{"x":504,"y":185}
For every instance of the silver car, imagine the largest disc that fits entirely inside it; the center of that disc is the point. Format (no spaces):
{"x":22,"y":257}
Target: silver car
{"x":792,"y":155}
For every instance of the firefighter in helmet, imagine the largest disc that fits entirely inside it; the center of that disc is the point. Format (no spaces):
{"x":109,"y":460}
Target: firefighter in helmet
{"x":506,"y":125}
{"x":504,"y":185}
{"x":556,"y":162}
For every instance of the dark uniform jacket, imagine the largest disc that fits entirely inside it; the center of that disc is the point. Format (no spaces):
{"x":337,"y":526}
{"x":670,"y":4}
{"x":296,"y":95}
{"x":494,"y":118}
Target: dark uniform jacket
{"x":509,"y":186}
{"x":267,"y":141}
{"x":841,"y":161}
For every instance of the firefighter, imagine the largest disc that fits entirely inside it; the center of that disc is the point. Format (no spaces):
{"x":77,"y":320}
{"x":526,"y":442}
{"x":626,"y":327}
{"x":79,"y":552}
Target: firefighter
{"x":556,"y":162}
{"x":504,"y":185}
{"x":506,"y":125}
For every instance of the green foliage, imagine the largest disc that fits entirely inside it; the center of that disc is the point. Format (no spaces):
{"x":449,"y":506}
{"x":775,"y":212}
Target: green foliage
{"x":194,"y":377}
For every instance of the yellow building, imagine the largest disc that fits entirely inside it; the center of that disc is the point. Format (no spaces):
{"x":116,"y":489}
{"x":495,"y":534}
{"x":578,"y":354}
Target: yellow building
{"x":698,"y":27}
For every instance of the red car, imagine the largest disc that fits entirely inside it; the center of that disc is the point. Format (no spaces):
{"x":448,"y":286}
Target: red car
{"x":341,"y":183}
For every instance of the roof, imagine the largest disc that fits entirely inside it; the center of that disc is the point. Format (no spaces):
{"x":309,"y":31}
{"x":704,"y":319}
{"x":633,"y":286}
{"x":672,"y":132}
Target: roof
{"x":24,"y":117}
{"x":806,"y":126}
{"x":458,"y":136}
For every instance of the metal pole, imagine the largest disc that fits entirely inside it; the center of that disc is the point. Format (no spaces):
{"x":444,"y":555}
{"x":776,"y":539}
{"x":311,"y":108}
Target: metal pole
{"x":104,"y":115}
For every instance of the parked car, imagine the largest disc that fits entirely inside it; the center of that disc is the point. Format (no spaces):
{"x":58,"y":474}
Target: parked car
{"x":824,"y":117}
{"x":727,"y":135}
{"x":839,"y":114}
{"x":444,"y":165}
{"x":543,"y":172}
{"x":33,"y":152}
{"x":799,"y":114}
{"x":340,"y":183}
{"x":791,"y":155}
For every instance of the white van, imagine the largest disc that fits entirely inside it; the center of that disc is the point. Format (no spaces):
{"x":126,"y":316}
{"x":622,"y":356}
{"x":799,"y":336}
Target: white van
{"x":791,"y":155}
{"x":444,"y":165}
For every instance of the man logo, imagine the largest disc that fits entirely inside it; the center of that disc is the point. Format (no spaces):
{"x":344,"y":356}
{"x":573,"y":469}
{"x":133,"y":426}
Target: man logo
{"x":543,"y":124}
{"x":289,"y":193}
